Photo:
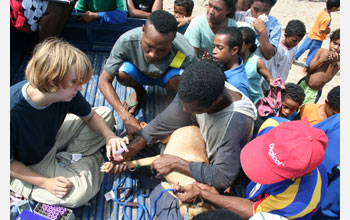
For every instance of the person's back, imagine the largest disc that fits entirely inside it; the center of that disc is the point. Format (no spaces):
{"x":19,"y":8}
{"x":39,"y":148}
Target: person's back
{"x":330,"y":207}
{"x":292,"y":198}
{"x":318,"y":112}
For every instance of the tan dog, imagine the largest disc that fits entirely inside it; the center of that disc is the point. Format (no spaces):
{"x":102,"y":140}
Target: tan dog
{"x":188,"y":144}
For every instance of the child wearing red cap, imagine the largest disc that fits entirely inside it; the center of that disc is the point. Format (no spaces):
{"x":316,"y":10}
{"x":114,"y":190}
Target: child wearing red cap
{"x":284,"y":164}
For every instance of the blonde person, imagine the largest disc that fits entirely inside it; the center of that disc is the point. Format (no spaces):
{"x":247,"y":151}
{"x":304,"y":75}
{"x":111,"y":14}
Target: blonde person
{"x":51,"y":123}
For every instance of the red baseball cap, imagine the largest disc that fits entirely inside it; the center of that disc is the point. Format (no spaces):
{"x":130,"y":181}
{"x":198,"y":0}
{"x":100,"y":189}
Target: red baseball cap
{"x":290,"y":150}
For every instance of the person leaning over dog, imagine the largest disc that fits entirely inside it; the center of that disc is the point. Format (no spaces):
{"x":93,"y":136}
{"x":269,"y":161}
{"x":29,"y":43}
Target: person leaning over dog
{"x":219,"y":109}
{"x":286,"y":172}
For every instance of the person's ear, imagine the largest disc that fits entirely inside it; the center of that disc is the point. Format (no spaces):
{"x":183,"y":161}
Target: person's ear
{"x":326,"y":101}
{"x":143,"y":28}
{"x":235,"y":50}
{"x":285,"y":35}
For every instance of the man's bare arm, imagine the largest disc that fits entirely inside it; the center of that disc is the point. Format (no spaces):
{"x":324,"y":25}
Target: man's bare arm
{"x":105,"y":85}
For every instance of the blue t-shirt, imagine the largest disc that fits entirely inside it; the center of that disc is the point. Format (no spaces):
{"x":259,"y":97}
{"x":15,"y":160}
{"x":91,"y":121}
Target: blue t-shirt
{"x":298,"y":199}
{"x":238,"y":77}
{"x":33,"y":128}
{"x":330,"y":207}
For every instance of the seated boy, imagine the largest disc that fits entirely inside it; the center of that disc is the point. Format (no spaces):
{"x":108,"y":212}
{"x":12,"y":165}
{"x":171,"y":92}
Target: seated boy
{"x":321,"y":70}
{"x":111,"y":12}
{"x":282,"y":62}
{"x":50,"y":121}
{"x":292,"y":98}
{"x":318,"y":112}
{"x":183,"y":11}
{"x":227,"y":44}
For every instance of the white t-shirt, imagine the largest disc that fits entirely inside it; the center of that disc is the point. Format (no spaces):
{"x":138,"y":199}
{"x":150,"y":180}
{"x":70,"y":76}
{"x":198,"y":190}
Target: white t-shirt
{"x":281,"y":63}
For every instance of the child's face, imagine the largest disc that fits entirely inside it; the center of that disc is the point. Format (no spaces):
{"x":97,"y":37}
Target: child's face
{"x":180,"y":11}
{"x":289,"y":106}
{"x":335,"y":46}
{"x":222,"y":52}
{"x":258,"y":8}
{"x":291,"y":41}
{"x":66,"y":94}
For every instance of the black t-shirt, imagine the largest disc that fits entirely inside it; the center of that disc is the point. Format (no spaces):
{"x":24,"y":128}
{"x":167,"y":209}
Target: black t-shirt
{"x":144,"y":5}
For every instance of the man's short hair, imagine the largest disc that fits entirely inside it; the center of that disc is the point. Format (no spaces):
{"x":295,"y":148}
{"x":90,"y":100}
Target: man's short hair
{"x":270,"y":2}
{"x":50,"y":65}
{"x":187,"y":4}
{"x":222,"y":214}
{"x":334,"y":98}
{"x":335,"y":35}
{"x":163,"y":21}
{"x":295,"y":28}
{"x":294,"y":92}
{"x":235,"y":39}
{"x":203,"y":81}
{"x":333,"y":3}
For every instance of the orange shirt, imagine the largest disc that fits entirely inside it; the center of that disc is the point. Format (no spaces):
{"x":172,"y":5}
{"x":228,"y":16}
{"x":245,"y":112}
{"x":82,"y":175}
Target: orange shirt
{"x":322,"y":22}
{"x":310,"y":111}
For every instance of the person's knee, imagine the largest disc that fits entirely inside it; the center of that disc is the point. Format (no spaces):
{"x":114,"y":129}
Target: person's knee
{"x":107,"y":114}
{"x":126,"y":80}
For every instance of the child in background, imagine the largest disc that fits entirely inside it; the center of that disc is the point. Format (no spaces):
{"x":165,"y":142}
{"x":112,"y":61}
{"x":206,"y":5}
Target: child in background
{"x":292,"y":98}
{"x":227,"y":44}
{"x":320,"y":29}
{"x":183,"y":11}
{"x":111,"y":12}
{"x":318,"y":112}
{"x":282,"y":62}
{"x":254,"y":65}
{"x":322,"y":69}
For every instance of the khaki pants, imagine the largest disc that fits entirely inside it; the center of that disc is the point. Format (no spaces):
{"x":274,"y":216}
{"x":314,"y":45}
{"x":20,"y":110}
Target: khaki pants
{"x":74,"y":136}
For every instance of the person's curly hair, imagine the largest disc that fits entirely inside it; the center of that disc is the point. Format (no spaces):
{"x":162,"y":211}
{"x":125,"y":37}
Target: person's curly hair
{"x":294,"y":92}
{"x":295,"y":28}
{"x":335,"y":35}
{"x":334,"y":98}
{"x":203,"y":81}
{"x":163,"y":21}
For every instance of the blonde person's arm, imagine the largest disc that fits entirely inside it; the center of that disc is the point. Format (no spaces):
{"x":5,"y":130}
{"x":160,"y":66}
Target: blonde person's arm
{"x":58,"y":186}
{"x":113,"y":143}
{"x":262,"y":70}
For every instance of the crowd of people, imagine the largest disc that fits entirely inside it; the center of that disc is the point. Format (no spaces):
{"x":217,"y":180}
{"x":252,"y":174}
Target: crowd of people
{"x":216,"y":75}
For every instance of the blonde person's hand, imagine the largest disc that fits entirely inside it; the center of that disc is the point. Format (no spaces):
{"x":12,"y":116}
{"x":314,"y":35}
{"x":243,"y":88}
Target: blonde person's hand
{"x":115,"y":144}
{"x":88,"y":16}
{"x":58,"y":186}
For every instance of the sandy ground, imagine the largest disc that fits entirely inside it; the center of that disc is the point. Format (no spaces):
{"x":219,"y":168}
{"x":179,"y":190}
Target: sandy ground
{"x":284,"y":11}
